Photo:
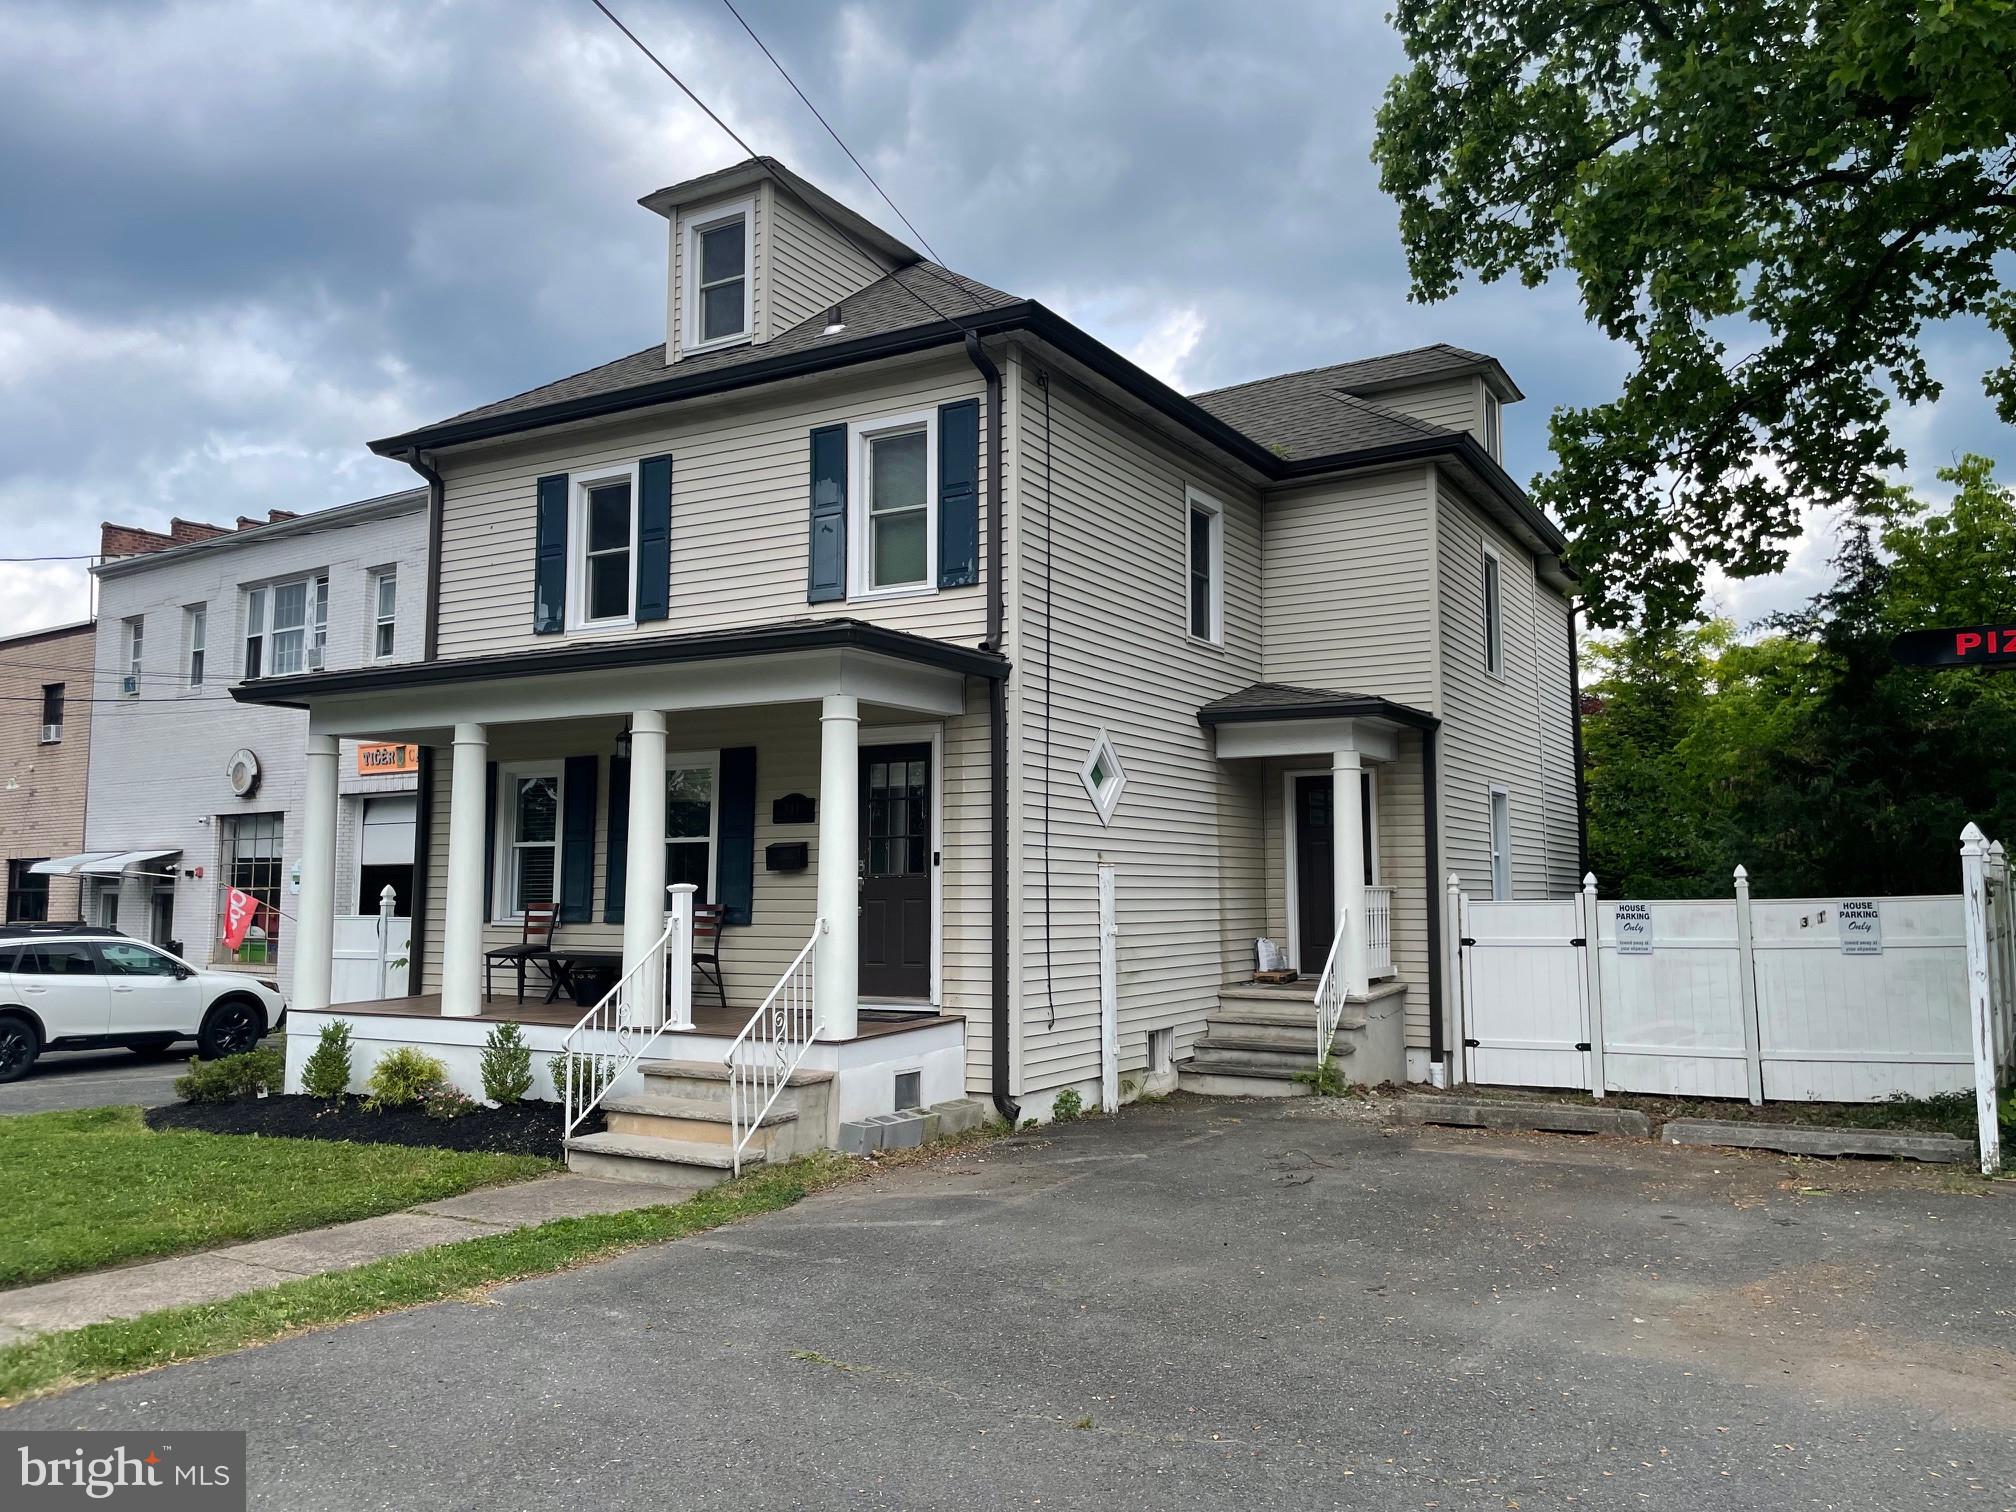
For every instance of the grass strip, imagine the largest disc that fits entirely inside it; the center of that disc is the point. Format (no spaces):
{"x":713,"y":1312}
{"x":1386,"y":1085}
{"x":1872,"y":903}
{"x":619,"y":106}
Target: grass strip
{"x":96,"y":1187}
{"x":174,"y":1335}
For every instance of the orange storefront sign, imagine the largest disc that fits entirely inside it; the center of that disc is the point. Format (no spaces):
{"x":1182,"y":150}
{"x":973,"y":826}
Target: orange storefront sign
{"x":387,"y":760}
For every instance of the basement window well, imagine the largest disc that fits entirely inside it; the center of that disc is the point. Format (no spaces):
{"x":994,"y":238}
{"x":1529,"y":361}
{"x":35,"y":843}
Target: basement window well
{"x":1104,"y":777}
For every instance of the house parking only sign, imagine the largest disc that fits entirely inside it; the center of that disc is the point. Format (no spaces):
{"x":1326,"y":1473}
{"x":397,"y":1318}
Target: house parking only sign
{"x":1634,"y":929}
{"x":1861,"y":924}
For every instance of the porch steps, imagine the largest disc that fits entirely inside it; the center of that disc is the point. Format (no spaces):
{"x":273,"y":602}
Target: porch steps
{"x":1259,"y":1039}
{"x":677,"y":1131}
{"x":682,"y":1163}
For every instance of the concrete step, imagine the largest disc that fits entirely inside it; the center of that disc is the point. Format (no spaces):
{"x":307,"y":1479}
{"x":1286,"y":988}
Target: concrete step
{"x":1286,"y":1037}
{"x":707,"y":1082}
{"x":681,"y":1163}
{"x":1267,"y":1064}
{"x":1275,"y":1016}
{"x":1231,"y":1084}
{"x":1300,"y":991}
{"x":658,"y":1115}
{"x":1302,"y":1049}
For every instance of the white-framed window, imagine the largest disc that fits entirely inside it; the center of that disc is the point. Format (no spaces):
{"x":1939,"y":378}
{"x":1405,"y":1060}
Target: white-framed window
{"x":1494,"y":441}
{"x":1494,"y":613}
{"x":196,"y":619}
{"x":602,"y":536}
{"x":893,"y":514}
{"x":1104,"y":777}
{"x":134,"y":633}
{"x":692,"y":819}
{"x":286,"y":627}
{"x":1501,"y":843}
{"x":384,"y":613}
{"x":1204,"y":566}
{"x":52,"y":713}
{"x":719,"y":275}
{"x":528,"y":837}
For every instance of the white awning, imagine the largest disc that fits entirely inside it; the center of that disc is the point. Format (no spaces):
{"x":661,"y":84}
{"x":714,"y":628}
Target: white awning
{"x":101,"y":863}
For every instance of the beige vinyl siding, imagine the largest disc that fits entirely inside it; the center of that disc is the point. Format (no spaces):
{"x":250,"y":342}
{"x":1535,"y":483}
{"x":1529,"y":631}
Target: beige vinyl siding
{"x":784,"y":904}
{"x":812,"y":266}
{"x":1552,"y":623}
{"x":1455,"y":404}
{"x":759,"y":265}
{"x":740,"y":502}
{"x":1186,"y":837}
{"x":1344,"y":595}
{"x":1492,"y":729}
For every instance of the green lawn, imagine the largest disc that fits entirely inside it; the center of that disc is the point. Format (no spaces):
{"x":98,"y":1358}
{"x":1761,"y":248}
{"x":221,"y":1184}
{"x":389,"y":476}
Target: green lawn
{"x":98,"y":1187}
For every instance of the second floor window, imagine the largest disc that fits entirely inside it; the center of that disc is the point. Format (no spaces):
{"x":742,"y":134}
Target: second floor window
{"x":1204,"y":549}
{"x":198,"y":629}
{"x":286,"y":627}
{"x":136,"y":648}
{"x":52,"y":713}
{"x":896,"y":504}
{"x":717,"y":272}
{"x":1494,"y":613}
{"x":604,"y":533}
{"x":384,"y":614}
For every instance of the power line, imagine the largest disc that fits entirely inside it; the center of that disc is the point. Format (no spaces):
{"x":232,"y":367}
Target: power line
{"x":838,"y":230}
{"x":832,"y":133}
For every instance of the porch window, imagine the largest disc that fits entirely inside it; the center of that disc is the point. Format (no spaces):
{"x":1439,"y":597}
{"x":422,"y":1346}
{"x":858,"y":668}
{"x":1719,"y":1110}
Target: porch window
{"x":1501,"y":843}
{"x":529,"y":814}
{"x":690,"y":823}
{"x":1204,"y":550}
{"x":896,"y":521}
{"x":250,"y":850}
{"x":604,"y":530}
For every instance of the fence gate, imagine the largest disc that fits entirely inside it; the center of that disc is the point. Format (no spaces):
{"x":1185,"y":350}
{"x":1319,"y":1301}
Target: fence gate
{"x":1525,"y":993}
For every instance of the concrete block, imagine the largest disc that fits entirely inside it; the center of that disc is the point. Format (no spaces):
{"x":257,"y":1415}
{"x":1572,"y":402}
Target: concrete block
{"x":1539,"y":1117}
{"x":959,"y":1114}
{"x":933,"y":1125}
{"x":1796,"y":1139}
{"x":860,"y":1138}
{"x":903,"y":1131}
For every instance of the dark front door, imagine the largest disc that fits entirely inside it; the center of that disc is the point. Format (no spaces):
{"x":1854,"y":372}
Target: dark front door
{"x":896,"y":865}
{"x":1315,"y":874}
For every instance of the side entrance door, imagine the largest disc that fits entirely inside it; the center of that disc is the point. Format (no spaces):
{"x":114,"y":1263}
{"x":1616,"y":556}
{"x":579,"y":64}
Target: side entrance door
{"x":896,"y":864}
{"x":1315,"y":875}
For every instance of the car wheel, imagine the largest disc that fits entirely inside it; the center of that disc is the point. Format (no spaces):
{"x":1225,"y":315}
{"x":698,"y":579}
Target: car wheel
{"x":160,"y":1044}
{"x":19,"y":1045}
{"x":230,"y":1028}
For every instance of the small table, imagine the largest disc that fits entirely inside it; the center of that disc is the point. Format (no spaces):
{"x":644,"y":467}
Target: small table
{"x":562,"y":967}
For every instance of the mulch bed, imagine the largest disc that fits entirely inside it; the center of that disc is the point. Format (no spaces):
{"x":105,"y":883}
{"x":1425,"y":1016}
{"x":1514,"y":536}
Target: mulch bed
{"x":529,"y":1128}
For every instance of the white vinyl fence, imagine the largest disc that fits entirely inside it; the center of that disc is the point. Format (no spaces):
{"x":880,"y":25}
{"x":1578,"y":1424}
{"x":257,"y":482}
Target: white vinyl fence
{"x":371,"y":954}
{"x":1780,"y":999}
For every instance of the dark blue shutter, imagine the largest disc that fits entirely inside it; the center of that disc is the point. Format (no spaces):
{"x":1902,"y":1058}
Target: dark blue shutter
{"x":826,"y":575}
{"x":577,"y":841}
{"x":617,"y":882}
{"x":489,"y":835}
{"x":959,"y":494}
{"x":654,"y":538}
{"x":549,"y":558}
{"x":735,"y":828}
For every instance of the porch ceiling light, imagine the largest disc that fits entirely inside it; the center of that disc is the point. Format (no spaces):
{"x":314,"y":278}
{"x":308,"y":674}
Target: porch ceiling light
{"x":1104,"y":777}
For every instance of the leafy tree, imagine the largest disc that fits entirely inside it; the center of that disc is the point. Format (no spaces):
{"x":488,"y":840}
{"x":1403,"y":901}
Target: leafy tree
{"x":1766,"y":200}
{"x":1808,"y":754}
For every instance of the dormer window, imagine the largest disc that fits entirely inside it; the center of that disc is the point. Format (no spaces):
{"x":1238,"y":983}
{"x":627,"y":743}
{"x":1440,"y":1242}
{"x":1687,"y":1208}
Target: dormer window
{"x":719,"y":277}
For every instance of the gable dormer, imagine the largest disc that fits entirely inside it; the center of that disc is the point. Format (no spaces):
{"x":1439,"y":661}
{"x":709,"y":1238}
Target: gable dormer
{"x":1443,"y":385}
{"x":754,"y":250}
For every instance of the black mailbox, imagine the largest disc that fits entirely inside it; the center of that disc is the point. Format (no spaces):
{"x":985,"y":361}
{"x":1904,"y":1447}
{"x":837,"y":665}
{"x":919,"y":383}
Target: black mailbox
{"x":786,"y":856}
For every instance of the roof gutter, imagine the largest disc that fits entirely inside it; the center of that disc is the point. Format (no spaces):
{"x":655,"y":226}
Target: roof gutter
{"x":997,"y":750}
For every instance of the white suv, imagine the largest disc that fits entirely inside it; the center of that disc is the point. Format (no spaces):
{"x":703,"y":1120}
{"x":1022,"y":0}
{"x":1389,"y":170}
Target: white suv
{"x":69,"y":987}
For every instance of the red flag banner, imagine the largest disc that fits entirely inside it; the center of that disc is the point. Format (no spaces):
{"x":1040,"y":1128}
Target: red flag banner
{"x":239,"y":908}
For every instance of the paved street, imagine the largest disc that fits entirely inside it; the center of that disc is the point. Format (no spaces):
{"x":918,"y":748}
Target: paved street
{"x":94,"y":1078}
{"x":1213,"y":1306}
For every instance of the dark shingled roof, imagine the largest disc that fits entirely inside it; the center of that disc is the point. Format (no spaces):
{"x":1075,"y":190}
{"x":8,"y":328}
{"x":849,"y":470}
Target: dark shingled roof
{"x":891,"y":303}
{"x":1259,"y":701}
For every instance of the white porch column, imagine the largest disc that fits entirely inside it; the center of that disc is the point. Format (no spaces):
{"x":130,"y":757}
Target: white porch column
{"x":315,"y":916}
{"x":644,"y":862}
{"x":1347,"y":828}
{"x":465,"y":905}
{"x":836,"y":958}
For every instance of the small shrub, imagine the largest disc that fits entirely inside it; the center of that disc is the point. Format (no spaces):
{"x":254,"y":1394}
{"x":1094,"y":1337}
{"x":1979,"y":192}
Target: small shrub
{"x":446,"y":1102}
{"x":326,"y":1072}
{"x":1066,"y":1106}
{"x":507,"y":1065}
{"x":587,"y":1072}
{"x":232,"y":1077}
{"x":403,"y":1077}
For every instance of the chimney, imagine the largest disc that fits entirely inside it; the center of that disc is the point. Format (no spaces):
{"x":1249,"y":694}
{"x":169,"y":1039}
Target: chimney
{"x":246,"y":522}
{"x":130,"y":540}
{"x":275,"y":516}
{"x":182,"y":532}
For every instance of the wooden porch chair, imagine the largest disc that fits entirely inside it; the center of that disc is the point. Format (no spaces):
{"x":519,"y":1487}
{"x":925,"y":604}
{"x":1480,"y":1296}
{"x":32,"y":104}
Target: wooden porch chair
{"x":707,"y":921}
{"x":534,"y":947}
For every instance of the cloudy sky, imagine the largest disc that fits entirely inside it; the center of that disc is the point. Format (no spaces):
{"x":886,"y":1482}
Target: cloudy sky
{"x":240,"y":238}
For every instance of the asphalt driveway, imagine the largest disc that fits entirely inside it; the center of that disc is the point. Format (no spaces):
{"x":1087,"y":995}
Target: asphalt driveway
{"x":1229,"y":1306}
{"x":95,"y":1079}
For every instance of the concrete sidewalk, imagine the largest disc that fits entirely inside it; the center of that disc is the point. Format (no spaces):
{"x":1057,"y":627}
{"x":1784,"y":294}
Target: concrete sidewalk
{"x":213,"y":1275}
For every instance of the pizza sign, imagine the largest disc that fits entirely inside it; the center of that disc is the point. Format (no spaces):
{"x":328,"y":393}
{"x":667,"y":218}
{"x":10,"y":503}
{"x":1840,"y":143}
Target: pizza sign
{"x":1957,"y":646}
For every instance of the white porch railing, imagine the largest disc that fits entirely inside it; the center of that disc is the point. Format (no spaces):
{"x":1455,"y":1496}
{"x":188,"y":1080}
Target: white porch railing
{"x":1330,"y":994}
{"x":769,"y":1048}
{"x":655,"y":995}
{"x":1378,"y":932}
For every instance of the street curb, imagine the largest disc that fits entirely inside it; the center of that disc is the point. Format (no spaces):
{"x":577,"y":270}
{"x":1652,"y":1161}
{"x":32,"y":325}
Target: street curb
{"x":1797,"y":1139}
{"x":1544,"y":1118}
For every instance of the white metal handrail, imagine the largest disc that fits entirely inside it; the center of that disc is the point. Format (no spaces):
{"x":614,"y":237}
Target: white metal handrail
{"x":1330,"y":994}
{"x":770,"y":1047}
{"x":1378,"y":932}
{"x":629,"y":1019}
